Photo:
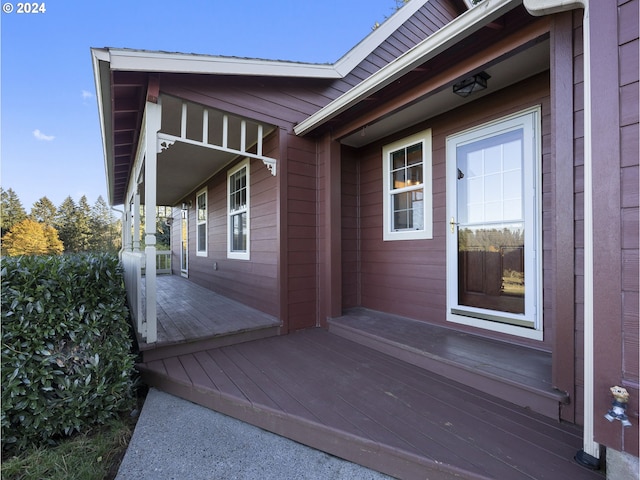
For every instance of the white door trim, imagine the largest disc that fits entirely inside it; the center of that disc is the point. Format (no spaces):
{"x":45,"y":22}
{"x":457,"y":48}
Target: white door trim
{"x":529,"y":119}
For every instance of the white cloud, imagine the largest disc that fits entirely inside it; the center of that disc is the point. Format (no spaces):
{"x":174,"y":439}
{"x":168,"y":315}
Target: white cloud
{"x":41,"y":136}
{"x":86,"y":95}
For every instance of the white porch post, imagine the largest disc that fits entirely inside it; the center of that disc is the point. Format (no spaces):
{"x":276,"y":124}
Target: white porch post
{"x":126,"y":227}
{"x":136,"y":222}
{"x":151,"y":127}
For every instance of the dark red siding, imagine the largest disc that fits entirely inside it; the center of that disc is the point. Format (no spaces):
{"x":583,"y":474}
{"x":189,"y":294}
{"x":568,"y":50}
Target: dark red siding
{"x":408,"y":278}
{"x":628,"y":42}
{"x":254,"y":282}
{"x":301,"y":213}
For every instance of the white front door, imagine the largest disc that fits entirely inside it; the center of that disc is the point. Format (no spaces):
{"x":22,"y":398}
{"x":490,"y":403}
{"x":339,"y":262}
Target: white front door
{"x":493,"y":244}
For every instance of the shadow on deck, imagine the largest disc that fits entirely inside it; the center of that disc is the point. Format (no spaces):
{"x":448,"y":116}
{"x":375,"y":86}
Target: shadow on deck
{"x":192,"y":318}
{"x":382,"y":409}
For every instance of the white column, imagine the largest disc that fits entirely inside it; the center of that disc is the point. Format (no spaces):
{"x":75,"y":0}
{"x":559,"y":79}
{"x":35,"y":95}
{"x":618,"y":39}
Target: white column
{"x":589,"y":445}
{"x":136,"y":222}
{"x":126,"y":227}
{"x":152,"y":127}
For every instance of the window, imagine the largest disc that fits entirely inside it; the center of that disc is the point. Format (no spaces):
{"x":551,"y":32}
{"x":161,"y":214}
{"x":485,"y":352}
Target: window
{"x":407,"y":188}
{"x":238,"y":211}
{"x":201,"y":223}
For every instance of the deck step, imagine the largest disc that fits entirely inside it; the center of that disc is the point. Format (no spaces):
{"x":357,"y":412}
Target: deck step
{"x":513,"y":373}
{"x":367,"y":407}
{"x":153,"y":352}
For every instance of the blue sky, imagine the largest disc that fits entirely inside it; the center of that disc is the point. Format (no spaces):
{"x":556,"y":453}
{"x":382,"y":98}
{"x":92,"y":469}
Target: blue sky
{"x":50,"y":132}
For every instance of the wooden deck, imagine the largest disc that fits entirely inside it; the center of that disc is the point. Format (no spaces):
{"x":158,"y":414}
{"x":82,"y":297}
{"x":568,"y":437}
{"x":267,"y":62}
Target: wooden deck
{"x":368,"y":407}
{"x":405,"y":398}
{"x":519,"y":374}
{"x":192,"y":318}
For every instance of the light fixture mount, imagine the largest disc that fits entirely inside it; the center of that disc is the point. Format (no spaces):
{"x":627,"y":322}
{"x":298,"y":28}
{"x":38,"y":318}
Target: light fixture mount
{"x":466,"y":87}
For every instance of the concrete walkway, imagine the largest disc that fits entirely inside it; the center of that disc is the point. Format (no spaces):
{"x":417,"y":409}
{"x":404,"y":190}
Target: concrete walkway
{"x":177,"y":440}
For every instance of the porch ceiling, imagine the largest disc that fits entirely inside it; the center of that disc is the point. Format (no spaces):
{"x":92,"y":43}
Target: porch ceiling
{"x":128,"y":90}
{"x":504,"y":72}
{"x":196,"y":143}
{"x":182,"y":168}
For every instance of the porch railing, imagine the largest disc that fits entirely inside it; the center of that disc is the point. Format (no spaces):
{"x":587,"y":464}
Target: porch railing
{"x":133,"y":264}
{"x":163,"y":262}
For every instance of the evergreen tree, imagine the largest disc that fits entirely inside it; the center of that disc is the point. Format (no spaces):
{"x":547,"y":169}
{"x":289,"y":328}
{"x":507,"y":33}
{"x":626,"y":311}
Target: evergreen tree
{"x":84,"y":224}
{"x":44,"y":211}
{"x":11,"y":210}
{"x":67,"y":227}
{"x":102,"y":228}
{"x":31,"y":238}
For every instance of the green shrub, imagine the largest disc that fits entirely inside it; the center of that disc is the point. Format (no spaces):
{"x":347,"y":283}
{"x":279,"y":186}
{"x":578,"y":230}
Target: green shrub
{"x":66,"y":346}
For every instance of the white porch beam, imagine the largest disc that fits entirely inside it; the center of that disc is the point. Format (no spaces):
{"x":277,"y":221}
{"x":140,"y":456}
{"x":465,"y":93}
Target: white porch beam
{"x":225,"y":131}
{"x":260,"y":133}
{"x":165,"y":141}
{"x":205,"y":126}
{"x":225,"y":126}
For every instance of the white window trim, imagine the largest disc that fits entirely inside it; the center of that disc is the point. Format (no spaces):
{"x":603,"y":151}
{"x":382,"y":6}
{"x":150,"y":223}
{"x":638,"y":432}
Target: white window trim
{"x":202,"y":253}
{"x":531,"y":117}
{"x":423,"y":137}
{"x":246,"y":255}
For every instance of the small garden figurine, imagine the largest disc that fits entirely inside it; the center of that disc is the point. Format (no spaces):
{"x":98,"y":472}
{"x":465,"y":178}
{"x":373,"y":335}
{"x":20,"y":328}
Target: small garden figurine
{"x":619,"y":406}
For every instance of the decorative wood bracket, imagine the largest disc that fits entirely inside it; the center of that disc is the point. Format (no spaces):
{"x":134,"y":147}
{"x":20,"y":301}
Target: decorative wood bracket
{"x":271,"y":166}
{"x":164,"y":144}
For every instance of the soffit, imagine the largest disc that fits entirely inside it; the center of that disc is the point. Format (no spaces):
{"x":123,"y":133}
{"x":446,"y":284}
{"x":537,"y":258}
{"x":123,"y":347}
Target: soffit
{"x":504,"y":72}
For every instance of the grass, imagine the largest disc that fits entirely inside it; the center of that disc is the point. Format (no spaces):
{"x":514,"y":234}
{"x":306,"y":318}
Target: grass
{"x":94,"y":455}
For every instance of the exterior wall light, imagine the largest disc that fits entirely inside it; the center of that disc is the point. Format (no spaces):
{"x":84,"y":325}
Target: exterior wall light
{"x":472,"y":84}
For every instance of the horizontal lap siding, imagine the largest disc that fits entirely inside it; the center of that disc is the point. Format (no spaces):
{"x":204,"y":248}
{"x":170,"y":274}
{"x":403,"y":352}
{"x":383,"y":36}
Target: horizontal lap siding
{"x":350,"y":230}
{"x":282,"y":102}
{"x":578,"y":159}
{"x":409,"y":277}
{"x":252,"y":282}
{"x":301,"y":232}
{"x":630,"y":181}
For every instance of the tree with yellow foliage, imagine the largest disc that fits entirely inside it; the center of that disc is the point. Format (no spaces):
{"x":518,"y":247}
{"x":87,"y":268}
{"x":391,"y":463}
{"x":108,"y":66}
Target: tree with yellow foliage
{"x":31,"y":238}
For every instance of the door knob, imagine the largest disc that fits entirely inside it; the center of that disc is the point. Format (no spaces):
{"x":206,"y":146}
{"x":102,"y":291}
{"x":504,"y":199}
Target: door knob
{"x":452,"y":224}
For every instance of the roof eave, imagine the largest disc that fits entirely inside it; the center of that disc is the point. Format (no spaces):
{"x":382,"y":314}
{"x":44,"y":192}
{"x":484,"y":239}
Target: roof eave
{"x":101,"y":75}
{"x":455,"y":31}
{"x":161,"y":62}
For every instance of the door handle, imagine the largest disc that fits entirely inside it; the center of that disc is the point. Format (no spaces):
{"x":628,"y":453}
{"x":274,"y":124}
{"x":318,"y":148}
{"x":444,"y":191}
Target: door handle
{"x":452,"y":224}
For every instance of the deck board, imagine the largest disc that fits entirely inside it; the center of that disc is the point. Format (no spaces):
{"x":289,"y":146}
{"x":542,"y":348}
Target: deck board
{"x":329,"y":393}
{"x":189,"y":315}
{"x":522,"y":365}
{"x":325,"y":407}
{"x":217,"y":375}
{"x":514,"y":372}
{"x":399,"y":395}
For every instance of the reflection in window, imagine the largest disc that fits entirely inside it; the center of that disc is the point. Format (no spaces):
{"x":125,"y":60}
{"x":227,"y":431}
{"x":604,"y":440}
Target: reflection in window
{"x":490,"y":179}
{"x":201,"y":223}
{"x":407,"y":196}
{"x":238,"y":211}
